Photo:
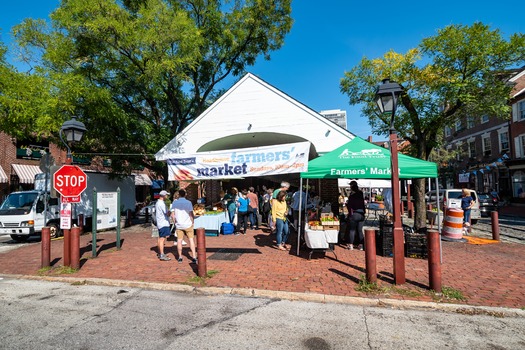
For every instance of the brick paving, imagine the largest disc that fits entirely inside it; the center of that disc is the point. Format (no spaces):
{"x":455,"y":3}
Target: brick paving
{"x":486,"y":275}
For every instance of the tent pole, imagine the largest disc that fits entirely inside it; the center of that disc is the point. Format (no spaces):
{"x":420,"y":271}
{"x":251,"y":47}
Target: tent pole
{"x":300,"y":208}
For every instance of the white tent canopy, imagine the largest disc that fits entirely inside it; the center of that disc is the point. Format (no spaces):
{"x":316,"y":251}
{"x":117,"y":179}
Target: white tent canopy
{"x":365,"y":183}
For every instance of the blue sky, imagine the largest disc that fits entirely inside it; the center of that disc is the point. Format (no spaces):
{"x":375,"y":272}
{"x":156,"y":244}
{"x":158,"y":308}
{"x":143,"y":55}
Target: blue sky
{"x":329,"y":37}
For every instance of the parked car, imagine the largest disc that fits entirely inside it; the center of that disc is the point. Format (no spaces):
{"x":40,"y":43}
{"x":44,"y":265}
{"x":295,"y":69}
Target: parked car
{"x":451,"y":198}
{"x":487,"y":203}
{"x":149,"y":208}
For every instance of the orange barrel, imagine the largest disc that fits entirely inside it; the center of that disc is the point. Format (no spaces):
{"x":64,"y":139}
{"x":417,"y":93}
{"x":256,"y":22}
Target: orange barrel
{"x":453,"y":225}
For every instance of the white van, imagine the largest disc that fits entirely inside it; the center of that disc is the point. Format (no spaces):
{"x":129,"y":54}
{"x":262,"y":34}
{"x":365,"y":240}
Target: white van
{"x":451,"y":198}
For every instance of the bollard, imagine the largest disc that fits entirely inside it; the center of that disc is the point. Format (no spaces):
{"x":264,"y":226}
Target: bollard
{"x":370,"y":255}
{"x":128,"y":218}
{"x":410,"y":208}
{"x":75,"y":247}
{"x":80,"y":222}
{"x":46,"y":247}
{"x":146,"y":216}
{"x":402,"y":208}
{"x":201,"y":252}
{"x":434,"y":260}
{"x":67,"y":248}
{"x":494,"y":217}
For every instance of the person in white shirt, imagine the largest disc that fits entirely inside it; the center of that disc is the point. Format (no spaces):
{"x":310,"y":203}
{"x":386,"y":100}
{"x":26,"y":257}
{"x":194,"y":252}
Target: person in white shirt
{"x":163,"y":224}
{"x":182,"y":214}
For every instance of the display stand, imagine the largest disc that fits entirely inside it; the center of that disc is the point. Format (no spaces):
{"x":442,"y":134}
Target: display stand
{"x":321,"y":241}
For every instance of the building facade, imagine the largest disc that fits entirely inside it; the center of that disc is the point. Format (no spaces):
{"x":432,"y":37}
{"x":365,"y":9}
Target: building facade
{"x":489,"y":153}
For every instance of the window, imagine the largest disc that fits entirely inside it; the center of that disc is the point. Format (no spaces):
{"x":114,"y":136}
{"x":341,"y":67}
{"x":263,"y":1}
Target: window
{"x":458,"y":125}
{"x":522,"y":145}
{"x":521,"y":110}
{"x":484,"y":119}
{"x":470,"y":122}
{"x":472,"y":149}
{"x":487,"y":151}
{"x":504,"y":141}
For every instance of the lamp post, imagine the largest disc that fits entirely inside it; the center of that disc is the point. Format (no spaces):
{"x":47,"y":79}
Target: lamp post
{"x":387,"y":94}
{"x":73,"y":130}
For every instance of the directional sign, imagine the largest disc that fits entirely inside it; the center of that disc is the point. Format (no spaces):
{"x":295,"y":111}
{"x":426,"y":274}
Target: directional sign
{"x":69,"y":181}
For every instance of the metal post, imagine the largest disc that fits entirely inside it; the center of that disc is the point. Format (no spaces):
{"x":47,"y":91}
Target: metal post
{"x":370,"y":255}
{"x":46,"y":247}
{"x":201,"y":252}
{"x":75,"y":247}
{"x":494,"y":217}
{"x":434,"y":260}
{"x":94,"y":225}
{"x":399,"y":244}
{"x":119,"y":218}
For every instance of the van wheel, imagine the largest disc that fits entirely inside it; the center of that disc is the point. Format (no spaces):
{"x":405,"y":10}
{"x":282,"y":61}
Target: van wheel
{"x":20,"y":238}
{"x":474,"y":221}
{"x":54,"y":230}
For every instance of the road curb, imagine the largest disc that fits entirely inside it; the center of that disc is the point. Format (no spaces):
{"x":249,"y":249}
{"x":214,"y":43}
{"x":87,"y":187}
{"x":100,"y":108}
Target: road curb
{"x":292,"y":296}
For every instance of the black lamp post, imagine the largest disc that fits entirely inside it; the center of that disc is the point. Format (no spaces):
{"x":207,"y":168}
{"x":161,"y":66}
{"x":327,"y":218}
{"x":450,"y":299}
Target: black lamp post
{"x":386,"y":98}
{"x":73,"y":130}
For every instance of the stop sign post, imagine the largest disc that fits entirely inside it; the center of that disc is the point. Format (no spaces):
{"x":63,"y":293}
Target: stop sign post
{"x":69,"y":181}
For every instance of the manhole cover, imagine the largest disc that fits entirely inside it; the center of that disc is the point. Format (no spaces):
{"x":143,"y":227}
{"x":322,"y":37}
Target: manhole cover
{"x":229,"y":254}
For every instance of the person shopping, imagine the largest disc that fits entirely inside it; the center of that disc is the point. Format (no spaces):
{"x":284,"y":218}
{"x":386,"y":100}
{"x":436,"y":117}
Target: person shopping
{"x":279,"y":211}
{"x":466,"y":204}
{"x":356,"y":217}
{"x":242,"y":220}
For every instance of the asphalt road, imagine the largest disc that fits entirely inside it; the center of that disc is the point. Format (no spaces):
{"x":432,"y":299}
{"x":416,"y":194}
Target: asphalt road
{"x":54,"y":315}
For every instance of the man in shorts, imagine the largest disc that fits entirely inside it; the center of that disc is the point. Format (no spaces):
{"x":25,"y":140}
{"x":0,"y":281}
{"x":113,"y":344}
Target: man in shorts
{"x":163,"y":224}
{"x":182,"y":214}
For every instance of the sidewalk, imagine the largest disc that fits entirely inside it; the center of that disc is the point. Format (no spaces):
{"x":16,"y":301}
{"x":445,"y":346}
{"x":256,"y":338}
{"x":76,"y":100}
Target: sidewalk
{"x":485,"y":275}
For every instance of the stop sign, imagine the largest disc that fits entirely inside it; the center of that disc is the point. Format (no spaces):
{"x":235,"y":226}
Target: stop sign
{"x":69,"y":181}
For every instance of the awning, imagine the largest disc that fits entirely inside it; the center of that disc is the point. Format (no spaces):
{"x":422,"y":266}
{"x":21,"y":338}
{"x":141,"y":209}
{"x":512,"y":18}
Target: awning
{"x":142,"y":180}
{"x":3,"y":176}
{"x":26,"y":173}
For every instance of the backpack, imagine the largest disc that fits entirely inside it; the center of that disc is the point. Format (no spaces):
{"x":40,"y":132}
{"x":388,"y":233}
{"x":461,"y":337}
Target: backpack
{"x":266,"y":207}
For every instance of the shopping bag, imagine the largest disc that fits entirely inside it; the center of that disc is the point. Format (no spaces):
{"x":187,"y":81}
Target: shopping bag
{"x":235,"y":218}
{"x":154,"y":231}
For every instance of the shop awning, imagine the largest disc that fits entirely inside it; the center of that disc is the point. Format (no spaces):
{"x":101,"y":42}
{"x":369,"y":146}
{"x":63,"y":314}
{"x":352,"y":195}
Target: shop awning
{"x":142,"y":180}
{"x":26,"y":173}
{"x":3,"y":176}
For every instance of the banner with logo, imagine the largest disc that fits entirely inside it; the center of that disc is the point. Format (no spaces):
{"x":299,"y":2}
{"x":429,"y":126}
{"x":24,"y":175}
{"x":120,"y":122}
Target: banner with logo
{"x":240,"y":163}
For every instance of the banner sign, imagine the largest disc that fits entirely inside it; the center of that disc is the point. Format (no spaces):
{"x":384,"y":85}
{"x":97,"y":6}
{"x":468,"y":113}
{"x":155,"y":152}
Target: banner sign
{"x":464,"y":178}
{"x":107,"y":211}
{"x":240,"y":163}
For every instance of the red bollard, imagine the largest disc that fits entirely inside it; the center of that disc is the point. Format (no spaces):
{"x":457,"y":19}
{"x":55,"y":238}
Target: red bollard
{"x":67,"y":248}
{"x":75,"y":247}
{"x":370,"y":255}
{"x":80,"y":223}
{"x":402,"y":208}
{"x":201,"y":252}
{"x":494,"y":217}
{"x":46,"y":247}
{"x":434,"y":260}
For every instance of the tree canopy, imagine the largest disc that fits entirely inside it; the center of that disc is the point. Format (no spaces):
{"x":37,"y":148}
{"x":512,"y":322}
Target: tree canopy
{"x":136,"y":72}
{"x":462,"y":71}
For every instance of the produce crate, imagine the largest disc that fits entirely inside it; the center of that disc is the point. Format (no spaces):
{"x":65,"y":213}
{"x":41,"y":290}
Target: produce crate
{"x":330,"y":227}
{"x":317,"y":228}
{"x":416,"y":246}
{"x":330,"y":223}
{"x":385,"y":240}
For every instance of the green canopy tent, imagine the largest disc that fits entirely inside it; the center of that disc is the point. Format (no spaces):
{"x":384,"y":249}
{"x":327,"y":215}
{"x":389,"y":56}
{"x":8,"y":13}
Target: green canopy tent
{"x":360,"y":159}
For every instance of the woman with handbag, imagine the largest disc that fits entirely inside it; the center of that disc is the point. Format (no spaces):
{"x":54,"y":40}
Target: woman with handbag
{"x":279,"y":212}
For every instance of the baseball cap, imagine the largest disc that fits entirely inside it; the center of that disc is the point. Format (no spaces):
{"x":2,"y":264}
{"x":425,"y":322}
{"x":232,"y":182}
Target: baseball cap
{"x":164,"y":193}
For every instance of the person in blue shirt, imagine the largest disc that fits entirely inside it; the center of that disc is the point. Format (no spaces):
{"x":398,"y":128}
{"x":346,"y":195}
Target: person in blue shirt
{"x":243,"y":213}
{"x":466,"y":204}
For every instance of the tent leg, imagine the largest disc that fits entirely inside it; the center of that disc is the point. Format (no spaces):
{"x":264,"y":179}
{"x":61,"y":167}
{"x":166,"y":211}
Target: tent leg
{"x":299,"y":220}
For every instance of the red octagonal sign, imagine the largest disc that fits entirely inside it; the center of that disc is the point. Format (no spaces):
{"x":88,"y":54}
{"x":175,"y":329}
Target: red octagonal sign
{"x":69,"y":181}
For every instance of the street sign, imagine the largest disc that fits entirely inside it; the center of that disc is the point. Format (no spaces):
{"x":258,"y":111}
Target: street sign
{"x":69,"y":181}
{"x":70,"y":199}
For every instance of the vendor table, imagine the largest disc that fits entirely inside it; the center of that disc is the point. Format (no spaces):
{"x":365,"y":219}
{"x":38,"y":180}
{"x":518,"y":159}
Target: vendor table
{"x":211,"y":223}
{"x":318,"y":240}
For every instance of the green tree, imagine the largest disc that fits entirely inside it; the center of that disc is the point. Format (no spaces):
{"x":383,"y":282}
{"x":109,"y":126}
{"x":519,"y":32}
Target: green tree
{"x":137,"y":72}
{"x":458,"y":72}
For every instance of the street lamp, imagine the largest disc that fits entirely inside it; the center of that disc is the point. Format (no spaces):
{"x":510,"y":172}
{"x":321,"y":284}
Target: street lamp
{"x":387,"y":94}
{"x":73,"y":130}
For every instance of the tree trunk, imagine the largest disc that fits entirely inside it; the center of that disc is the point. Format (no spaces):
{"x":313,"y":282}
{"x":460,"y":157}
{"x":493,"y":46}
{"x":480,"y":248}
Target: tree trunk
{"x":420,"y":210}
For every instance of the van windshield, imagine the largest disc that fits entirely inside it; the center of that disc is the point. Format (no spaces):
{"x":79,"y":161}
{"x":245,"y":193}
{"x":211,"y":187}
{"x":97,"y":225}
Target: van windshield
{"x":17,"y":202}
{"x":454,"y":194}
